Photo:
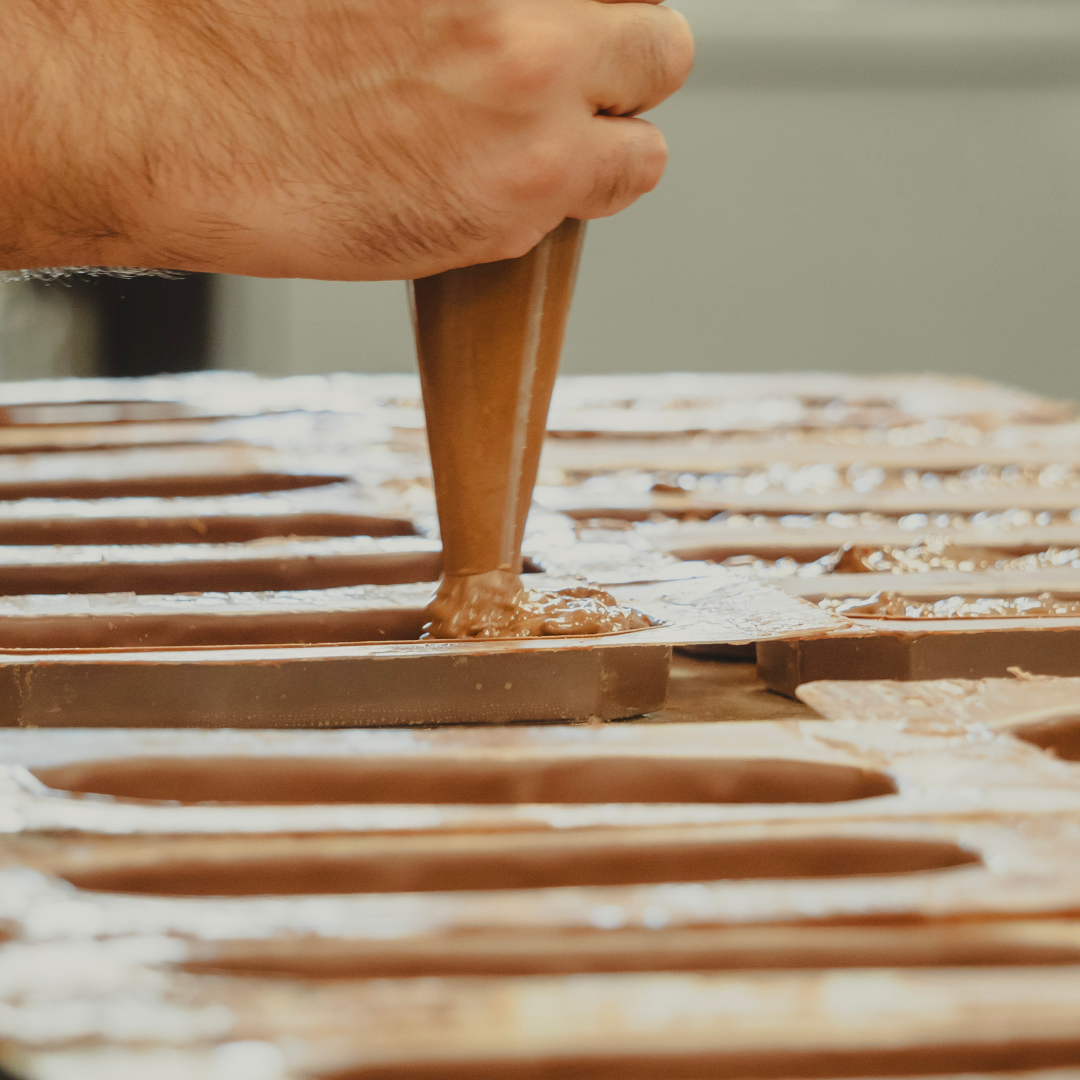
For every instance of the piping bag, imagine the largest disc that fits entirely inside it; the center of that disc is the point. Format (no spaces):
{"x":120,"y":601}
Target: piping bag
{"x":488,"y":341}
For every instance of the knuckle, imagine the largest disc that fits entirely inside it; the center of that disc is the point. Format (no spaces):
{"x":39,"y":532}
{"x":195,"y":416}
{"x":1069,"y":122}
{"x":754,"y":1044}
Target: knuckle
{"x":529,"y":61}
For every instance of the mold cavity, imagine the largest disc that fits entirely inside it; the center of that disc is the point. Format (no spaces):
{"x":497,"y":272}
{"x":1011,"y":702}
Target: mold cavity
{"x":213,"y":628}
{"x":551,"y":952}
{"x":165,"y":487}
{"x":360,"y":864}
{"x":938,"y":1059}
{"x":96,"y":412}
{"x":58,"y":447}
{"x":213,"y":529}
{"x":1060,"y":736}
{"x":762,"y":552}
{"x":328,"y":571}
{"x":270,"y":780}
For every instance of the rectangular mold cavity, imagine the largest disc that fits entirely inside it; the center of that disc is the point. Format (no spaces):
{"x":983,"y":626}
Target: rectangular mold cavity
{"x":536,"y":779}
{"x":352,"y":865}
{"x":194,"y":527}
{"x":263,"y":567}
{"x":1059,"y":736}
{"x":937,"y":1060}
{"x":119,"y":411}
{"x":165,"y":486}
{"x":210,"y":620}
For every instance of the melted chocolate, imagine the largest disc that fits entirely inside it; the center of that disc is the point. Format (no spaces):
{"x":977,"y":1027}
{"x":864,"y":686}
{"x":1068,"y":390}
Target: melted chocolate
{"x":496,"y":605}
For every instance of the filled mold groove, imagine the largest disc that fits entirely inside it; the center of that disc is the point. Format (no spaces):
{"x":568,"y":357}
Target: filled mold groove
{"x":261,"y":566}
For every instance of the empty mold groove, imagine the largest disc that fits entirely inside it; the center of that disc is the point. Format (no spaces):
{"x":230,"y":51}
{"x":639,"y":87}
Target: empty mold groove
{"x":466,"y":863}
{"x":625,"y":779}
{"x":955,"y":1059}
{"x":741,"y":948}
{"x":194,"y":486}
{"x":1060,"y":736}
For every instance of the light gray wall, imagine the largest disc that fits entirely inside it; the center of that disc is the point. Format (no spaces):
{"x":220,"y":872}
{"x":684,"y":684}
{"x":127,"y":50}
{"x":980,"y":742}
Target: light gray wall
{"x":862,"y":185}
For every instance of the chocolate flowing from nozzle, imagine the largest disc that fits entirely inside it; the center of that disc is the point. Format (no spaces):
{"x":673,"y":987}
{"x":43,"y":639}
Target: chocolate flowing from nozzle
{"x":488,"y":341}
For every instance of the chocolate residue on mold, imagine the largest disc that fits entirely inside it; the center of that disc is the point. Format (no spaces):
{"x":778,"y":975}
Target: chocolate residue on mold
{"x":924,"y":555}
{"x":888,"y":605}
{"x":940,"y":553}
{"x":488,"y":341}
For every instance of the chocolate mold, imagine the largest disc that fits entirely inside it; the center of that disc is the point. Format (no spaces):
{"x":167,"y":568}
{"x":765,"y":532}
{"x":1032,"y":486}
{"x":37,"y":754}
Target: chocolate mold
{"x":227,"y":679}
{"x":215,"y":903}
{"x":970,"y":863}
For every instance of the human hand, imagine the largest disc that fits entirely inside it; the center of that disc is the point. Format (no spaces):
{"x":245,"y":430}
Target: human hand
{"x":348,"y":139}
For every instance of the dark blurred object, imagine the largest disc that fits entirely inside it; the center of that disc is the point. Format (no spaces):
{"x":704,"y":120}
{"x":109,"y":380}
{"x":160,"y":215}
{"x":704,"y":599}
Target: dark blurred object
{"x":150,"y":325}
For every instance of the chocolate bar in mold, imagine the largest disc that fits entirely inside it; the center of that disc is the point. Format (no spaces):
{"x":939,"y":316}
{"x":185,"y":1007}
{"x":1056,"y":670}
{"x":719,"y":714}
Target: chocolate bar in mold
{"x":164,"y":471}
{"x":292,"y":431}
{"x":273,"y":563}
{"x":930,"y":647}
{"x":345,"y":509}
{"x":211,"y":659}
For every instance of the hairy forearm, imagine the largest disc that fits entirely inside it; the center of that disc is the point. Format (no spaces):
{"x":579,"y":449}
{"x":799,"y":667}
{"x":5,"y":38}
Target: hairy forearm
{"x":103,"y":130}
{"x":53,"y":209}
{"x":321,"y":138}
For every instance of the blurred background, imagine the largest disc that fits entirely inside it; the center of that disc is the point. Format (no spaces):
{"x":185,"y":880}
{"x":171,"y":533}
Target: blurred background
{"x":855,"y":185}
